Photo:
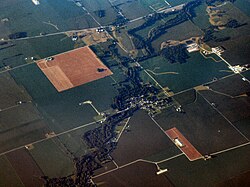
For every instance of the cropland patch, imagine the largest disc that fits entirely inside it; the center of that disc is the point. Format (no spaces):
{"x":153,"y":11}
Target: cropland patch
{"x":26,"y":167}
{"x":143,"y":139}
{"x":137,"y":175}
{"x":73,"y":68}
{"x":185,"y":146}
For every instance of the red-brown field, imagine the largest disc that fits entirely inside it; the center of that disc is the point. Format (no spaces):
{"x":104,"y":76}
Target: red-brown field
{"x":26,"y":168}
{"x":73,"y":68}
{"x":188,"y":149}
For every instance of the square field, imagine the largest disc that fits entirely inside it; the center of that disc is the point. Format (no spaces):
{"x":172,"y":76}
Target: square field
{"x":73,"y":68}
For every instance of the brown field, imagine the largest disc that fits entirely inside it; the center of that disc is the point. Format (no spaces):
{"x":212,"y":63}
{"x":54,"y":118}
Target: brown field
{"x":188,"y":149}
{"x":73,"y":68}
{"x":26,"y":167}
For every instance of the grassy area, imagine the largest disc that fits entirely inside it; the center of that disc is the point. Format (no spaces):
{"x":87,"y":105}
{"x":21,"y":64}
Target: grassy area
{"x":137,"y":174}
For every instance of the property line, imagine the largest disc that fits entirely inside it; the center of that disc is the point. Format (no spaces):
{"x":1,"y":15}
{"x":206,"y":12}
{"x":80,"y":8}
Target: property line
{"x":14,"y":106}
{"x":124,"y":127}
{"x":44,"y":139}
{"x":224,"y":117}
{"x":230,"y":149}
{"x":135,"y":161}
{"x":167,"y":159}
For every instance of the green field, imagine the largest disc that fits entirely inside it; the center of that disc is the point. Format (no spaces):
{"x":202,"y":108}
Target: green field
{"x":197,"y":70}
{"x":62,"y":110}
{"x":24,"y":16}
{"x":182,"y":31}
{"x":18,"y":51}
{"x":52,"y":158}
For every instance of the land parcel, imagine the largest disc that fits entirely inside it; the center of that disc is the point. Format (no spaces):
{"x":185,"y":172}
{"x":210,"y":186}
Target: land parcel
{"x":73,"y":68}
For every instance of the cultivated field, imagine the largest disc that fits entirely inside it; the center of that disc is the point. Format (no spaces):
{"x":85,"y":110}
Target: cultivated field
{"x":26,"y":167}
{"x":16,"y":53}
{"x":62,"y":110}
{"x":8,"y":176}
{"x":144,"y":139}
{"x":48,"y":17}
{"x":136,"y":175}
{"x":204,"y":127}
{"x":186,"y":147}
{"x":73,"y":68}
{"x":197,"y":70}
{"x":208,"y":173}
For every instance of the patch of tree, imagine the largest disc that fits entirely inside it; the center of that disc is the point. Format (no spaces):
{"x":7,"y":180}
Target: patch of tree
{"x":101,"y":142}
{"x":150,"y":20}
{"x":128,"y":91}
{"x":17,"y":35}
{"x":234,"y":24}
{"x":139,"y":42}
{"x":208,"y":34}
{"x":133,"y":73}
{"x":119,"y":21}
{"x":100,"y":13}
{"x":175,"y":54}
{"x":114,"y":52}
{"x":183,"y":15}
{"x":14,"y":56}
{"x":3,"y":43}
{"x":6,"y":47}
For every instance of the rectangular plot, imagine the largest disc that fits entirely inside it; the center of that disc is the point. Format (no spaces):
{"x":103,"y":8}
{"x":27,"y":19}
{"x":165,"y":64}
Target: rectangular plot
{"x":26,"y":167}
{"x":184,"y":145}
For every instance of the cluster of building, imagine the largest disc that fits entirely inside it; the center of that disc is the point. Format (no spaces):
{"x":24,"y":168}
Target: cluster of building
{"x":192,"y":47}
{"x":218,"y":50}
{"x":153,"y":105}
{"x":239,"y":68}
